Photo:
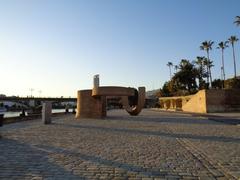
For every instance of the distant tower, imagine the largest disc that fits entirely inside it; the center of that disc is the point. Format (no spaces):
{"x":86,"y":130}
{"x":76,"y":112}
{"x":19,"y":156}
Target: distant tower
{"x":96,"y":81}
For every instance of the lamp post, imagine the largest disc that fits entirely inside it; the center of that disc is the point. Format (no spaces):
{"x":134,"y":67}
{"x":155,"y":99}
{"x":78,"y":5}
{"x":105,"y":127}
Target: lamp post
{"x":31,"y":90}
{"x":39,"y":93}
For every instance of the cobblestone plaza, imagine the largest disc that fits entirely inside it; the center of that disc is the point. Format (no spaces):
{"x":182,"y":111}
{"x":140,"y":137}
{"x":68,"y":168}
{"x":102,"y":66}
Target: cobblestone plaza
{"x":153,"y":145}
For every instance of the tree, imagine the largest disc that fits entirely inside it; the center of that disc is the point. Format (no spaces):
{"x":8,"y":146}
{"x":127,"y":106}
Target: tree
{"x":222,"y":45}
{"x":201,"y":71}
{"x":170,"y":64}
{"x":185,"y":78}
{"x":237,"y":21}
{"x":176,"y":68}
{"x":207,"y":46}
{"x":208,"y":64}
{"x":164,"y":92}
{"x":217,"y":83}
{"x":205,"y":63}
{"x":232,"y":40}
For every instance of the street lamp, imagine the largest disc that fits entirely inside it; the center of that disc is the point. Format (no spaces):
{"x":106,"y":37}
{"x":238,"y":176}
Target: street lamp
{"x":31,"y":89}
{"x":39,"y":93}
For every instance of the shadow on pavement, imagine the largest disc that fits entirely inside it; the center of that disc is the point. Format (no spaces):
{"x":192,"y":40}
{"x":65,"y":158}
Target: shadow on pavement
{"x":20,"y":160}
{"x":230,"y":121}
{"x":178,"y":120}
{"x":155,"y":133}
{"x":101,"y":161}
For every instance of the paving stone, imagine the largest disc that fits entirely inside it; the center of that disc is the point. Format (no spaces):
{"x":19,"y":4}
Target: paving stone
{"x":154,"y":145}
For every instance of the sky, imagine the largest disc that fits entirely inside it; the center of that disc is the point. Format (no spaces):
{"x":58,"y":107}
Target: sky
{"x":56,"y":46}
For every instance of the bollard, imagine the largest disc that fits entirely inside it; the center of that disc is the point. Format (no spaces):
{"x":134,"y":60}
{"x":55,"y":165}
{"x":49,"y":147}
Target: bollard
{"x":1,"y":119}
{"x":66,"y":110}
{"x":74,"y":111}
{"x":23,"y":114}
{"x":46,"y":112}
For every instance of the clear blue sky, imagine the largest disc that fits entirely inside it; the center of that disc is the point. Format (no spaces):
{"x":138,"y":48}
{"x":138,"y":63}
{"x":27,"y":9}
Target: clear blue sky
{"x":56,"y":46}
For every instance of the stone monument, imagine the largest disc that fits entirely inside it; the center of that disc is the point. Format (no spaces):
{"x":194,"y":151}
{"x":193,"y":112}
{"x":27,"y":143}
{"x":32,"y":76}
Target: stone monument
{"x":91,"y":103}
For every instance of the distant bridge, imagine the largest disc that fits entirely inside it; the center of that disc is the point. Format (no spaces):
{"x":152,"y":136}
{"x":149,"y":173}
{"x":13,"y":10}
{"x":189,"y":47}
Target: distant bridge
{"x":38,"y":99}
{"x":34,"y":103}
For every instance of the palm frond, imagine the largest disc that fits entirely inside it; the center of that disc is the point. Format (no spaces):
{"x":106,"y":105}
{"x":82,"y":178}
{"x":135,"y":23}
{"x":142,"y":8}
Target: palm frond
{"x":237,"y":21}
{"x":233,"y":39}
{"x":222,"y":45}
{"x":169,"y":64}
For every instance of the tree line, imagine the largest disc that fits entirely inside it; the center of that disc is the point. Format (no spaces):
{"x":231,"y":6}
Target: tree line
{"x":189,"y":77}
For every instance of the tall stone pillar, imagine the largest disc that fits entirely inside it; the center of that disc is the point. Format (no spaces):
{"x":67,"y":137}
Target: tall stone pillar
{"x":96,"y":81}
{"x":47,"y":112}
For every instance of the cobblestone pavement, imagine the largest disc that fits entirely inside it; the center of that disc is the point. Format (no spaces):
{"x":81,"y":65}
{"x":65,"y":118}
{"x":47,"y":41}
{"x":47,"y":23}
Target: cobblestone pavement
{"x":154,"y":145}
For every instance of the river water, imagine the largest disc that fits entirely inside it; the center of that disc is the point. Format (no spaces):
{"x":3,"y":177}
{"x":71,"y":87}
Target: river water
{"x":16,"y":114}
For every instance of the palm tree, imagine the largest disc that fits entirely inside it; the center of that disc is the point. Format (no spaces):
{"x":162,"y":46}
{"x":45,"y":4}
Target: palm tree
{"x":222,"y":45}
{"x":207,"y":45}
{"x":237,"y":22}
{"x":232,"y":40}
{"x":205,"y":63}
{"x":222,"y":76}
{"x":199,"y":62}
{"x":201,"y":71}
{"x":209,"y":65}
{"x":170,"y":64}
{"x":176,"y":68}
{"x":183,"y":63}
